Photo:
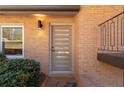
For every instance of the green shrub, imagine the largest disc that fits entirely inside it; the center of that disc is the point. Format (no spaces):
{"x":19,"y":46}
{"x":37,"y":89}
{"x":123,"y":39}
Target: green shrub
{"x":2,"y":57}
{"x":19,"y":72}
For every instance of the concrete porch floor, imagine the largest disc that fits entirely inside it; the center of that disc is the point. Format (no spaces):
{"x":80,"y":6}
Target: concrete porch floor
{"x":59,"y":82}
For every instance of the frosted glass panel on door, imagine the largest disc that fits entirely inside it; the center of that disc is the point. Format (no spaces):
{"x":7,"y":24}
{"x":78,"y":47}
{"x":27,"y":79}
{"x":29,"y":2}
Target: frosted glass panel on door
{"x":61,"y":38}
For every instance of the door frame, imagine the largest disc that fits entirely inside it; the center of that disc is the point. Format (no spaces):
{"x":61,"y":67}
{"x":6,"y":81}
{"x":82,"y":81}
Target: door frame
{"x":50,"y":44}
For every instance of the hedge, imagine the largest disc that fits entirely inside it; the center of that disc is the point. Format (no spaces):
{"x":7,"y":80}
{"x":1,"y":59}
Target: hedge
{"x":19,"y":73}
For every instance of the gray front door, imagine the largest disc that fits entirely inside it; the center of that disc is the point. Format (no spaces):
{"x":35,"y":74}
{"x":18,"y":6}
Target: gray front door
{"x":61,"y":48}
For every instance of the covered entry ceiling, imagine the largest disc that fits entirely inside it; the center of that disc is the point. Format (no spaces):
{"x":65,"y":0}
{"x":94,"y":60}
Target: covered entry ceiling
{"x":69,"y":10}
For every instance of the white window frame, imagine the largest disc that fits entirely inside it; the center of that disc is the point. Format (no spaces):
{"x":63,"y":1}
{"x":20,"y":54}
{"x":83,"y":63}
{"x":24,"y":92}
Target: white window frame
{"x":13,"y":25}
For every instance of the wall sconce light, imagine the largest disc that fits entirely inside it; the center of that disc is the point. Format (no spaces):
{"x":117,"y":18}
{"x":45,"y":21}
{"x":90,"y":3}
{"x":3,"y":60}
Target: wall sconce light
{"x":40,"y":25}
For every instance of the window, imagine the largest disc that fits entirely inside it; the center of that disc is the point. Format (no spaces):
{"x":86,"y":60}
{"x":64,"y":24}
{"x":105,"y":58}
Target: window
{"x":12,"y":41}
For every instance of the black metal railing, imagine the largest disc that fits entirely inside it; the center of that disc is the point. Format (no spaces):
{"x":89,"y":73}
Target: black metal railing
{"x":112,"y":34}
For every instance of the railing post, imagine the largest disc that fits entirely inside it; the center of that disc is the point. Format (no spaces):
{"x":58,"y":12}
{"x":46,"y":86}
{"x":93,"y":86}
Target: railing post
{"x":104,"y":35}
{"x":117,"y":34}
{"x":108,"y":35}
{"x":100,"y":37}
{"x":122,"y":31}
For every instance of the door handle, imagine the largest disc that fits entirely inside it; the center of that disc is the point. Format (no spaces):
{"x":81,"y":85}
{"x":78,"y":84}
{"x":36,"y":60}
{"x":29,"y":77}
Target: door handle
{"x":53,"y":50}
